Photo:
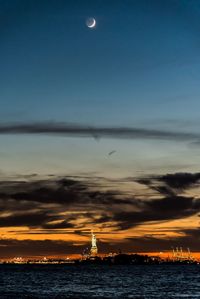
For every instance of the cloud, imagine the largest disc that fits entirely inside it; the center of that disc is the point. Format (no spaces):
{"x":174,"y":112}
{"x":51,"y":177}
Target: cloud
{"x":158,"y":210}
{"x":30,"y":219}
{"x":180,"y":181}
{"x":68,"y":130}
{"x":171,"y":184}
{"x":58,"y":202}
{"x":54,"y":204}
{"x":64,"y":204}
{"x":171,"y":203}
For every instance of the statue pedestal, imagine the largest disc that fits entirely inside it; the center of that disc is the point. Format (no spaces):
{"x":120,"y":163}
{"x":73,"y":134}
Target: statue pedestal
{"x":93,"y":251}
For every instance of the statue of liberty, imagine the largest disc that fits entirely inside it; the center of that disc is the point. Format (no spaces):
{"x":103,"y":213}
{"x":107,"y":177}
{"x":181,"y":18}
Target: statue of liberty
{"x":93,"y":250}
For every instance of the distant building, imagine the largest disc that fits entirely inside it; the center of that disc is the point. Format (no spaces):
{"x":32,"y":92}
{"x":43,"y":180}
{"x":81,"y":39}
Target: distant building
{"x":94,"y":249}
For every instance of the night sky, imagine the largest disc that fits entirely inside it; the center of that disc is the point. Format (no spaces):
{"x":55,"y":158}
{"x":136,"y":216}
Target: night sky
{"x":99,"y":127}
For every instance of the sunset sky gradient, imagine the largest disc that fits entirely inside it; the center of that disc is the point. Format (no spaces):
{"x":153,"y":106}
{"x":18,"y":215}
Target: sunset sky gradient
{"x":69,"y":96}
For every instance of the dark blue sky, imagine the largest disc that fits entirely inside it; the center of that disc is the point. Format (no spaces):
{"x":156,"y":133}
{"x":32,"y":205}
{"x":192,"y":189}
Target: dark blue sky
{"x":138,"y":67}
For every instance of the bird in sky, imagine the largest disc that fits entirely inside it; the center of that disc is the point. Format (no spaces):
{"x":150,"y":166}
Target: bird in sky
{"x":111,"y":153}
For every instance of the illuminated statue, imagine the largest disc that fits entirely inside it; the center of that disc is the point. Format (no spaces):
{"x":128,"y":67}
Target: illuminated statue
{"x":93,"y":250}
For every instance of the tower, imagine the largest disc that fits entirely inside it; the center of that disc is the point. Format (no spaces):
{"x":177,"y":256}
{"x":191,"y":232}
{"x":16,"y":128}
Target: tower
{"x":93,"y":250}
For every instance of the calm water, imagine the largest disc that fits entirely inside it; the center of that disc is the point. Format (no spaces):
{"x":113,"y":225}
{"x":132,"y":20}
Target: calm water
{"x":90,"y":281}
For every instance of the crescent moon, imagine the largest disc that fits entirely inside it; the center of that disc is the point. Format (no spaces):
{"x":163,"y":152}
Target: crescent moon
{"x":92,"y":25}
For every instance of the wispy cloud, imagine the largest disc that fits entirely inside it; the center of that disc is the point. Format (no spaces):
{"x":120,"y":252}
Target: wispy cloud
{"x":78,"y":130}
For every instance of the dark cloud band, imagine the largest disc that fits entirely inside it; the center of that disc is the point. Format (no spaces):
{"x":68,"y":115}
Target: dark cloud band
{"x":65,"y":129}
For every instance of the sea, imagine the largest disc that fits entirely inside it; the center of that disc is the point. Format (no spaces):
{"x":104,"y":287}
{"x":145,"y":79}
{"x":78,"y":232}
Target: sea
{"x":99,"y":281}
